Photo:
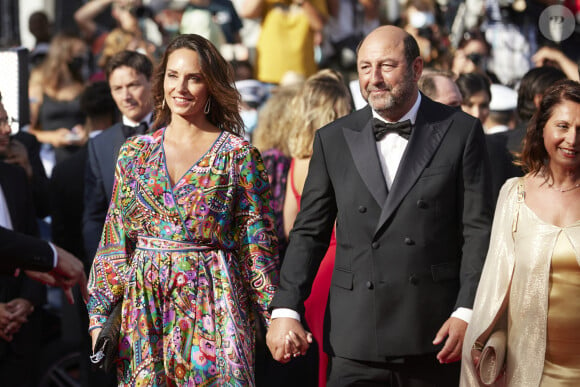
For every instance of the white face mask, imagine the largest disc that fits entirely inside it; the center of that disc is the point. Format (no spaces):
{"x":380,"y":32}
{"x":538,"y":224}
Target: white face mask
{"x":250,"y":118}
{"x":420,"y":19}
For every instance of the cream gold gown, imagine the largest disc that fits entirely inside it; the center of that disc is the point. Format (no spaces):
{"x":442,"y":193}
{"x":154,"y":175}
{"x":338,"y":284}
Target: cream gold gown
{"x":530,"y":264}
{"x":562,"y":363}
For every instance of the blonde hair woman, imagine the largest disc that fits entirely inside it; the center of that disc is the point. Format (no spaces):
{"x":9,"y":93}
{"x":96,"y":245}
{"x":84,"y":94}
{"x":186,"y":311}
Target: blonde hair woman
{"x":323,"y":98}
{"x":271,"y":138}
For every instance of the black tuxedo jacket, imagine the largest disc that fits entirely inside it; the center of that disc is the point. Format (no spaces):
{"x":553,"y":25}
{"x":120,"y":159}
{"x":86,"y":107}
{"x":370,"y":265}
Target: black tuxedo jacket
{"x":18,"y":195}
{"x":40,"y":190}
{"x":23,"y":251}
{"x":405,"y":259}
{"x":103,"y":151}
{"x":66,"y":192}
{"x":18,"y":249}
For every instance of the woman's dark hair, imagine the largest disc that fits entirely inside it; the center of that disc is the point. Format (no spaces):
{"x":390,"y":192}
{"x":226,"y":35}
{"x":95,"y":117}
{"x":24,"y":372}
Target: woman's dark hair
{"x":534,"y":82}
{"x":218,"y":75}
{"x":534,"y":154}
{"x":472,"y":83}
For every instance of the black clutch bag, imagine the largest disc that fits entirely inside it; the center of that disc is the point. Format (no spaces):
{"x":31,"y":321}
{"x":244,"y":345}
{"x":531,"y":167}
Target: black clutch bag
{"x":107,"y":346}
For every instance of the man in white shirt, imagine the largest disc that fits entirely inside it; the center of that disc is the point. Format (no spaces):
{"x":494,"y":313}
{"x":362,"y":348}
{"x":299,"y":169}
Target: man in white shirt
{"x":413,"y":216}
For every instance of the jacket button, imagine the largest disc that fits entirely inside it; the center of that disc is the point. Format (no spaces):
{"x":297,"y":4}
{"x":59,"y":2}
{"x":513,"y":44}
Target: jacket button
{"x":369,"y":285}
{"x":413,"y":279}
{"x":421,"y":203}
{"x":362,"y":209}
{"x":375,"y":245}
{"x":409,"y":241}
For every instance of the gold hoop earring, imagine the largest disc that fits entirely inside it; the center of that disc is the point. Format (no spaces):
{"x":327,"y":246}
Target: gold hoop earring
{"x":207,"y":106}
{"x":163,"y":104}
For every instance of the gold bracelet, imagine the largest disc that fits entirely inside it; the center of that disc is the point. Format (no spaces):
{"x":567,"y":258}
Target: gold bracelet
{"x":478,"y":346}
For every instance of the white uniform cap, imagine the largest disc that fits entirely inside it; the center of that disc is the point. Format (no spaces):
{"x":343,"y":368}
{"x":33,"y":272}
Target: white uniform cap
{"x":503,"y":98}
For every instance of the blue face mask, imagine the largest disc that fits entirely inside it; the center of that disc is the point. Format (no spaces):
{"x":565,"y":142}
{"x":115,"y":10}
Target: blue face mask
{"x":250,"y":118}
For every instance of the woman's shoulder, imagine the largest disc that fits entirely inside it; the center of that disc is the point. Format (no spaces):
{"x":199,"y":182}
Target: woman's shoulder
{"x":139,"y":144}
{"x":234,"y":144}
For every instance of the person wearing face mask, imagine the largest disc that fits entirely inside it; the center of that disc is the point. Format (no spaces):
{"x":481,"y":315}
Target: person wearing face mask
{"x":253,"y":94}
{"x":419,"y":20}
{"x":54,"y":91}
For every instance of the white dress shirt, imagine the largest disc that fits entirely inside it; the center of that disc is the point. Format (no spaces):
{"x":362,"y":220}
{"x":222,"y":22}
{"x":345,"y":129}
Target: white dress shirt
{"x":391,"y":150}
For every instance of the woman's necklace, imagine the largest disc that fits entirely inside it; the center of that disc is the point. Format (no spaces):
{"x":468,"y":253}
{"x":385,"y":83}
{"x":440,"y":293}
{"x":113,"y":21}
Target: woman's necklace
{"x":562,"y":190}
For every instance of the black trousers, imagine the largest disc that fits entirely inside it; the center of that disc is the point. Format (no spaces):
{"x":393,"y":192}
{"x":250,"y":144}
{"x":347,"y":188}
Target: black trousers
{"x":412,"y":371}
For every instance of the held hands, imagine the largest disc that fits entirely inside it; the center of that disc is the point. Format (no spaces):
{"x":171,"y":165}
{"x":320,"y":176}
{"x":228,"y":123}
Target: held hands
{"x":13,"y":315}
{"x":286,"y":338}
{"x":454,"y":329}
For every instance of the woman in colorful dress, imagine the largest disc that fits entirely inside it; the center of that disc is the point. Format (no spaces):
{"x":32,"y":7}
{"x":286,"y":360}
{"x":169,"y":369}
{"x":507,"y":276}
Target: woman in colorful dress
{"x":530,"y":284}
{"x":189,"y":241}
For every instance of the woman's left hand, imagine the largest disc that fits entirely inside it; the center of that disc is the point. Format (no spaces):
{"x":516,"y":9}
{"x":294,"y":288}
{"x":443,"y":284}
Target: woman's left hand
{"x":94,"y":335}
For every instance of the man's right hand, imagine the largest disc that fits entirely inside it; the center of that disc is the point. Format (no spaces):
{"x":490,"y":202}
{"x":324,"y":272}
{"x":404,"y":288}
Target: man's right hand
{"x":68,"y":272}
{"x":278,"y":334}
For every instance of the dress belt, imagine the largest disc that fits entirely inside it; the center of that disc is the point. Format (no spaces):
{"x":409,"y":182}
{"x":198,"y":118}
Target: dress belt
{"x":159,"y":244}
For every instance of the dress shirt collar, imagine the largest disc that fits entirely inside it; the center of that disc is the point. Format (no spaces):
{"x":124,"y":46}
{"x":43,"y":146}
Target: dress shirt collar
{"x":129,"y":122}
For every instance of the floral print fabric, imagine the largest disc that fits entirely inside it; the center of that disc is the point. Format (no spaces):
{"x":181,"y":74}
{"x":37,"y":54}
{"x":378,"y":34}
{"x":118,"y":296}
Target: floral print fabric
{"x":190,"y":262}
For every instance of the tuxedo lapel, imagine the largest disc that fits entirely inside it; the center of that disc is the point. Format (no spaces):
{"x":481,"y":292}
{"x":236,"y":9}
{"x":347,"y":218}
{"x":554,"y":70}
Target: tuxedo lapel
{"x":422,"y":145}
{"x":363,"y":148}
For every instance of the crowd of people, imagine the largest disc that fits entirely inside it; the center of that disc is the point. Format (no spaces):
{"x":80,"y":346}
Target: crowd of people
{"x":259,"y":225}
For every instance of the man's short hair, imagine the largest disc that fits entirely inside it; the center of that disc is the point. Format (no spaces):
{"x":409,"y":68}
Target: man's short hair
{"x":133,"y":59}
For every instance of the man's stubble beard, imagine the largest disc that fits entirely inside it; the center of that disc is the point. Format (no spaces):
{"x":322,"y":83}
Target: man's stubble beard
{"x":397,"y":98}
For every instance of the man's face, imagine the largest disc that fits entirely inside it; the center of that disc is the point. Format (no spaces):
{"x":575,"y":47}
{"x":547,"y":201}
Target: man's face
{"x":5,"y":131}
{"x":132,"y":92}
{"x":386,"y":81}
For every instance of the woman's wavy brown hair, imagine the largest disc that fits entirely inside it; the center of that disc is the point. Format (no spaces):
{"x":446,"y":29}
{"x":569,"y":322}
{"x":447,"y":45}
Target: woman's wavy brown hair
{"x":534,"y":155}
{"x":218,"y":75}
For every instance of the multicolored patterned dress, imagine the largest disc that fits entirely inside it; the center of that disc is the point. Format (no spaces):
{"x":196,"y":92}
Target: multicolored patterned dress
{"x":190,"y":262}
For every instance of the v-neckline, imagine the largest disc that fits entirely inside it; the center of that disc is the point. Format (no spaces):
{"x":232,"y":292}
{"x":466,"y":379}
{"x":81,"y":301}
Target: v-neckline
{"x":173,"y":185}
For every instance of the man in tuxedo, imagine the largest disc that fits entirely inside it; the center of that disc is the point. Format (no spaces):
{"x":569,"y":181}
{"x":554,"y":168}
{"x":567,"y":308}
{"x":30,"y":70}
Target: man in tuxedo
{"x":129,"y":76}
{"x":413,"y":217}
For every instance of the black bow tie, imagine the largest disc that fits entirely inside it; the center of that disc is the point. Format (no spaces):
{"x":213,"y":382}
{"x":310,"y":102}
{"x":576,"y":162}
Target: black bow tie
{"x":381,"y":128}
{"x":129,"y":131}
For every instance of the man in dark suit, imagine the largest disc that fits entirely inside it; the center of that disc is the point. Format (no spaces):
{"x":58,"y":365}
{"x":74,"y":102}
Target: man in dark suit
{"x":129,"y":76}
{"x":21,"y":298}
{"x":413,"y":218}
{"x":50,"y":264}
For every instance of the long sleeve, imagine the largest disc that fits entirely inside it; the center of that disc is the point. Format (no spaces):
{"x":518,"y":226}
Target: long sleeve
{"x":477,"y":214}
{"x":256,"y":230}
{"x":22,"y":251}
{"x":107,"y":277}
{"x":495,"y":279}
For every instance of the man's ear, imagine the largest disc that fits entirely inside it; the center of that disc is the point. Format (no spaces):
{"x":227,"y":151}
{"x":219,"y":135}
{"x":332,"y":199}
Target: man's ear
{"x":417,"y":68}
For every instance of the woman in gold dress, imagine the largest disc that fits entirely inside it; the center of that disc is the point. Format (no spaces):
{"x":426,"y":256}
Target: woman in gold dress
{"x":530,"y":285}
